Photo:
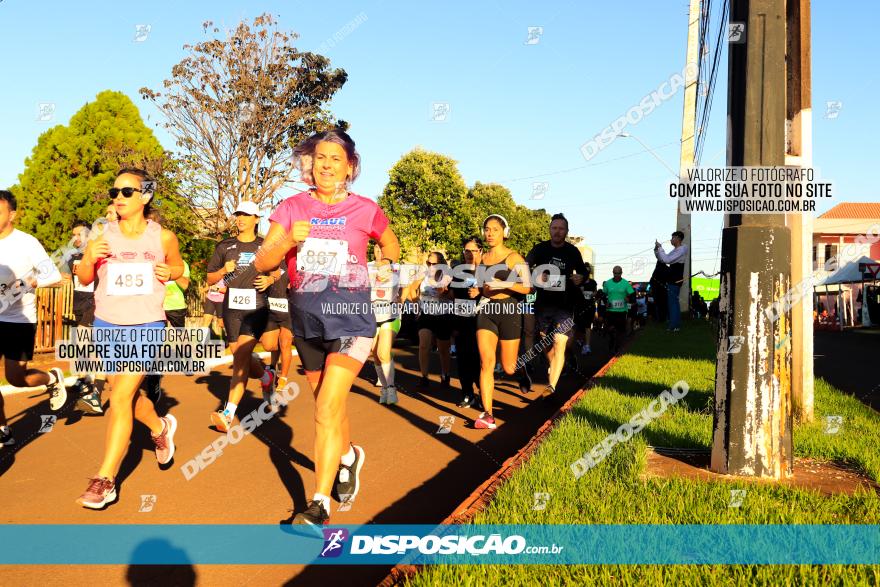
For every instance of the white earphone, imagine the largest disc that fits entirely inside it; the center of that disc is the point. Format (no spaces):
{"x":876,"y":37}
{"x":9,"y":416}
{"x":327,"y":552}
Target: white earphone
{"x":503,"y":221}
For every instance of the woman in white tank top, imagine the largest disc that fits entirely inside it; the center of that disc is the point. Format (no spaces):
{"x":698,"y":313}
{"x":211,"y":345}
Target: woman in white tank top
{"x":132,"y":259}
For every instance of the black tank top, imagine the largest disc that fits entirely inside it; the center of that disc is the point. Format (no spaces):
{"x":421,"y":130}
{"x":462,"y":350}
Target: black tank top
{"x":503,"y":271}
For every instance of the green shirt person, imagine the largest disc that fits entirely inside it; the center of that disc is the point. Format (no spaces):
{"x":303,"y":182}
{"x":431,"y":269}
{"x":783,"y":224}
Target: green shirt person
{"x":617,"y":290}
{"x":175,"y":301}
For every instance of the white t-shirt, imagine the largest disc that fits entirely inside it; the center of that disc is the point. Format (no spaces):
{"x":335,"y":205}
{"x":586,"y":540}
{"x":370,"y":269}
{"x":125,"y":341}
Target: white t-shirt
{"x":23,"y":257}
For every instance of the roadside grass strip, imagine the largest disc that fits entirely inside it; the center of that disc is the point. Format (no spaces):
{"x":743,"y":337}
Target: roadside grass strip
{"x":615,"y":492}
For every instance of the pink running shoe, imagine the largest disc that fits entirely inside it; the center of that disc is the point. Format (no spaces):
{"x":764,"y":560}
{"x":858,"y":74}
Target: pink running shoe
{"x":165,"y":441}
{"x":100,"y":492}
{"x":485,"y":421}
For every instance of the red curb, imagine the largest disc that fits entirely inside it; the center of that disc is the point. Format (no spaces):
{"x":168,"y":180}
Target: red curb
{"x":483,"y":494}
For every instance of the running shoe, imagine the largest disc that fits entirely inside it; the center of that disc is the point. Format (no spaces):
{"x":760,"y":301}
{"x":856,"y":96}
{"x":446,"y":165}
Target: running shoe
{"x":269,"y":388}
{"x":383,"y":395}
{"x":100,"y":492}
{"x":88,"y":398}
{"x":548,"y":391}
{"x":314,"y":515}
{"x":525,"y":383}
{"x":466,"y":402}
{"x":485,"y":421}
{"x":452,"y":351}
{"x":90,"y":402}
{"x":391,"y":398}
{"x":348,"y":477}
{"x":153,"y":383}
{"x":6,"y":438}
{"x":165,"y":441}
{"x":222,"y":420}
{"x":57,"y":390}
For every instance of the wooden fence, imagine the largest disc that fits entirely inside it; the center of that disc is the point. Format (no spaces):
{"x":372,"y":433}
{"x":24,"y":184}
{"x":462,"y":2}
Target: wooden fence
{"x":55,"y":313}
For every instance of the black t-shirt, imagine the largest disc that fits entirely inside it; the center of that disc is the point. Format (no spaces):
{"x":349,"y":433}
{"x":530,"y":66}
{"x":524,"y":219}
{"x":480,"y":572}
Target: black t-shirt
{"x":589,"y":289}
{"x":568,"y":259}
{"x":245,"y":273}
{"x":79,"y":291}
{"x":277,"y":292}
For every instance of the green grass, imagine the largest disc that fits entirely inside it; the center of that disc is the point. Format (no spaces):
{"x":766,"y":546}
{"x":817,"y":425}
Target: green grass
{"x":615,"y":493}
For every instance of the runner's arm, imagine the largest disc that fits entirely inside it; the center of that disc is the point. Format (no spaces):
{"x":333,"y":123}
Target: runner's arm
{"x":278,"y":242}
{"x":390,"y":246}
{"x":173,"y":259}
{"x":524,"y":283}
{"x":410,"y":293}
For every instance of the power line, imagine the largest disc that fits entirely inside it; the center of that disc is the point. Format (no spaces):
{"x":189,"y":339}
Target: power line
{"x":579,"y":167}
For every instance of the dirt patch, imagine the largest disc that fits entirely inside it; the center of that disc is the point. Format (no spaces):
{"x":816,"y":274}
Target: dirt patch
{"x":823,"y":476}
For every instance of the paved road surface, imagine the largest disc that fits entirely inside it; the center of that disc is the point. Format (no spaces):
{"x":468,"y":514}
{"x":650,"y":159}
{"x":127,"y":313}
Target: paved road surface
{"x":411,"y":474}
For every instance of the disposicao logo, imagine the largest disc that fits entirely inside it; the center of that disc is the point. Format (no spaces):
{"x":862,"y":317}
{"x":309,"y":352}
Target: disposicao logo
{"x":333,"y":541}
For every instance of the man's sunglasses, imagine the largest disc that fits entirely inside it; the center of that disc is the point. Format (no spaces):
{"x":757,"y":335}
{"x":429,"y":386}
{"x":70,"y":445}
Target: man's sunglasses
{"x":127,"y":192}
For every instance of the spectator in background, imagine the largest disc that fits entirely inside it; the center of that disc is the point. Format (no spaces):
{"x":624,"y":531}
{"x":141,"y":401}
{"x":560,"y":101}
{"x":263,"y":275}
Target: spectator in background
{"x":87,"y":390}
{"x":696,"y":305}
{"x":657,"y":287}
{"x":175,"y":299}
{"x":675,"y":276}
{"x":110,"y":214}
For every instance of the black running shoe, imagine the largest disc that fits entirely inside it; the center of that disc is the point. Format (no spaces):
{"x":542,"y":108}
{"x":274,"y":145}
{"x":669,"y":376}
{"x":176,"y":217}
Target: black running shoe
{"x":6,"y":436}
{"x":314,"y":515}
{"x":525,"y":383}
{"x":348,"y":477}
{"x":467,"y":402}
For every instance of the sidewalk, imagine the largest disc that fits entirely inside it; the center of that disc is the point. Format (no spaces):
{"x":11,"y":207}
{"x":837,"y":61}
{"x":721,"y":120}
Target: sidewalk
{"x":411,"y":475}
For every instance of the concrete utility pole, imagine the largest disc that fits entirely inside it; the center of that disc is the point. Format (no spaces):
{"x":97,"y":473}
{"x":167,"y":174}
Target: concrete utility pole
{"x":753,"y":414}
{"x":686,"y":157}
{"x":799,"y":117}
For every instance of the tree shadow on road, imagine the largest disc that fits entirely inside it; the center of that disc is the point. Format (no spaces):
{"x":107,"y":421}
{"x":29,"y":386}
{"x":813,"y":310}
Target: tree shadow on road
{"x":434,"y":499}
{"x":276,"y":434}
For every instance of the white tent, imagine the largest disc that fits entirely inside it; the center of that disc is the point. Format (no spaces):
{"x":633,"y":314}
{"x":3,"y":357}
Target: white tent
{"x":849,"y":273}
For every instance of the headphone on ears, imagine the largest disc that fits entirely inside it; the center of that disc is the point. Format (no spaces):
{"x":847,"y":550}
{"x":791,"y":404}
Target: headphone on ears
{"x":503,"y":221}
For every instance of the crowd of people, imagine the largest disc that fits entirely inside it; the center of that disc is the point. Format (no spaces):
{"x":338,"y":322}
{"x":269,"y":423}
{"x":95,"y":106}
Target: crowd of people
{"x":308,"y":284}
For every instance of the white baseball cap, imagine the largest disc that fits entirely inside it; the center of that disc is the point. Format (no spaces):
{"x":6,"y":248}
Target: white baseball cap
{"x":248,"y":207}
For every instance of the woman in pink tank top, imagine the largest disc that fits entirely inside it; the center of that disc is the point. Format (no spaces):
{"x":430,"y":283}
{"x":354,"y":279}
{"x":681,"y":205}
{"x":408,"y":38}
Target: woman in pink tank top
{"x":132,"y":260}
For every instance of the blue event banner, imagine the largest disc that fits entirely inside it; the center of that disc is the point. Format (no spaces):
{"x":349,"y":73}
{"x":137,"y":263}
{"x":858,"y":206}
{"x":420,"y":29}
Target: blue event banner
{"x":428,"y":544}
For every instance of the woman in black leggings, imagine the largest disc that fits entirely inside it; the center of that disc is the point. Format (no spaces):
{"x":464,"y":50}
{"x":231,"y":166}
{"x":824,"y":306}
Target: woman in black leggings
{"x":465,"y":322}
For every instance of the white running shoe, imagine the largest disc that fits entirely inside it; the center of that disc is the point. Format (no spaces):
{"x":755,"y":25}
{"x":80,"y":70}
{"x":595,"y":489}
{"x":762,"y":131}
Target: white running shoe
{"x":57,"y":390}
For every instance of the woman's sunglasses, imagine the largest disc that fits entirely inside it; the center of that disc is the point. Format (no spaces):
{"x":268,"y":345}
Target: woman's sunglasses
{"x":127,"y":192}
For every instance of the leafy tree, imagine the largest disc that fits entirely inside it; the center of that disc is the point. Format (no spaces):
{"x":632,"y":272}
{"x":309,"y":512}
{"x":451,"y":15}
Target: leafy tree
{"x":425,"y":199}
{"x":67,"y":176}
{"x":237,"y":107}
{"x":527,"y":227}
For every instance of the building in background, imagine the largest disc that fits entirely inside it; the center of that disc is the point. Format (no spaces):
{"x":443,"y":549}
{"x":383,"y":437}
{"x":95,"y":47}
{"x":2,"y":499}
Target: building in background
{"x":839,"y":227}
{"x":844,"y":296}
{"x":587,"y":254}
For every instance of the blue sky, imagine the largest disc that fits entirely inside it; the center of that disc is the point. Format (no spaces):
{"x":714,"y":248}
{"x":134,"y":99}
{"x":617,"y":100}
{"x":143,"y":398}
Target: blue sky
{"x":517,"y":110}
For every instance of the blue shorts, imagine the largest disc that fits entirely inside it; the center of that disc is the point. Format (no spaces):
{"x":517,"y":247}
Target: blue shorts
{"x":130,"y":350}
